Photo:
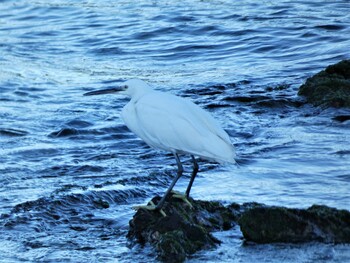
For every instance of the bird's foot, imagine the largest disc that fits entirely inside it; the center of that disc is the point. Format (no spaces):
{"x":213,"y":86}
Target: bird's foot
{"x":150,"y":207}
{"x":181,"y":196}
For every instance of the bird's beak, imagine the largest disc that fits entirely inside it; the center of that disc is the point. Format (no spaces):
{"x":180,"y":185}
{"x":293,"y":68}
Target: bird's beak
{"x":105,"y":91}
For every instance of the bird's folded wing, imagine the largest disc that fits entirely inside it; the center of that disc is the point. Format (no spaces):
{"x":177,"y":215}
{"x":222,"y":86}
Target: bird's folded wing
{"x":175,"y":124}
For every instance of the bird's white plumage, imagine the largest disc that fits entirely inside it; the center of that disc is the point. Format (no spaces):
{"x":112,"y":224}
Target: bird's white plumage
{"x":175,"y":124}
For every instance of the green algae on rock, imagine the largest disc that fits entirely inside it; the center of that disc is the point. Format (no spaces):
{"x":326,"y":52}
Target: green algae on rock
{"x":330,"y":87}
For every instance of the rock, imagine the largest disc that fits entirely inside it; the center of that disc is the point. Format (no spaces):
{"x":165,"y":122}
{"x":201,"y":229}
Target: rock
{"x":185,"y":230}
{"x":341,"y":118}
{"x":330,"y":87}
{"x":64,"y":132}
{"x":264,"y":224}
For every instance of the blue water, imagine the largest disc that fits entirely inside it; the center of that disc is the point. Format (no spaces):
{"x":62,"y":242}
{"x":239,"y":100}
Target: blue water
{"x":63,"y":155}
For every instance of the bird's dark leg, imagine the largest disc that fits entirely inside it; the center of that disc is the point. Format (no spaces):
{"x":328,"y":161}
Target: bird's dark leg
{"x":193,"y":175}
{"x":179,"y":173}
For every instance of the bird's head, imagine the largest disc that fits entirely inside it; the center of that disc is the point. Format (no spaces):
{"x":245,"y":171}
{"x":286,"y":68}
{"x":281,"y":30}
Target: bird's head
{"x":131,"y":88}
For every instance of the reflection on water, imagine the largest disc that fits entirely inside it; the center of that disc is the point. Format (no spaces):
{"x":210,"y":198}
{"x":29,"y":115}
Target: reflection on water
{"x":70,"y":168}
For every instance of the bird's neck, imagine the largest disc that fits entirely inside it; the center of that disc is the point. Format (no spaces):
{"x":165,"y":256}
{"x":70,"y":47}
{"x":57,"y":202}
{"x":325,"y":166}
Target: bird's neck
{"x":140,"y":92}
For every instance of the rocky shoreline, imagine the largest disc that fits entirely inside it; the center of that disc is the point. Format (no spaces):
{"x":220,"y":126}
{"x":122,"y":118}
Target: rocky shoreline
{"x":185,"y":229}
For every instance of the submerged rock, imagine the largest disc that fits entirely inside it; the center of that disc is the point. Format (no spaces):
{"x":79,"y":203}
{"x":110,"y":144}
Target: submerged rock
{"x":185,"y":229}
{"x":330,"y":87}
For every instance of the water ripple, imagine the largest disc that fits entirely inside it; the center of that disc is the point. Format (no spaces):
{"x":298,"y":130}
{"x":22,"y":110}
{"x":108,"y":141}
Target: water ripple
{"x":64,"y":158}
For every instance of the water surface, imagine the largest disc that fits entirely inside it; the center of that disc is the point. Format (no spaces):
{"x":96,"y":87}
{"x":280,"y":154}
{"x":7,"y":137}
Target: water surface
{"x":71,"y":170}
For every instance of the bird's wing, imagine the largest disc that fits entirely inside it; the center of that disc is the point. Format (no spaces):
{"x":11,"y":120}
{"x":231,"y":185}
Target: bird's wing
{"x":172,"y":123}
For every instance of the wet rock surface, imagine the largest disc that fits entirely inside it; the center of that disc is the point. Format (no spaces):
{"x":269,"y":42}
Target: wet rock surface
{"x":185,"y":229}
{"x":330,"y":87}
{"x":264,"y":224}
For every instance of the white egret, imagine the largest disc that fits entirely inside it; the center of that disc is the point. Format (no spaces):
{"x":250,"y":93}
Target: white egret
{"x":173,"y":124}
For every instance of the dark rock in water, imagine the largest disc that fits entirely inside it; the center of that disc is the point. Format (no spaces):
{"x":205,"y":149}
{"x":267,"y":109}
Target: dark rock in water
{"x":264,"y":224}
{"x":341,"y":118}
{"x":330,"y":87}
{"x":64,"y":132}
{"x":185,"y":230}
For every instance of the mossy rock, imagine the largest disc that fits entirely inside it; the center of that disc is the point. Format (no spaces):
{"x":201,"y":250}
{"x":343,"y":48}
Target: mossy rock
{"x":330,"y":87}
{"x":264,"y":224}
{"x":184,"y":230}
